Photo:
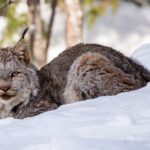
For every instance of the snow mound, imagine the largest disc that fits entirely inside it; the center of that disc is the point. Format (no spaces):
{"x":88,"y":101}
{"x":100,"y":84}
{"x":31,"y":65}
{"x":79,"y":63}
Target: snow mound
{"x":120,"y":122}
{"x":142,"y":55}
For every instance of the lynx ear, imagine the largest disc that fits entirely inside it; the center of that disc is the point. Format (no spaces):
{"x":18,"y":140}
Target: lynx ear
{"x":21,"y":49}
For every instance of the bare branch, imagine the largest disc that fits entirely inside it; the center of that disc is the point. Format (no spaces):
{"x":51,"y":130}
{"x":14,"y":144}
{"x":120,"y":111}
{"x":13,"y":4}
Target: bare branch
{"x":7,"y":4}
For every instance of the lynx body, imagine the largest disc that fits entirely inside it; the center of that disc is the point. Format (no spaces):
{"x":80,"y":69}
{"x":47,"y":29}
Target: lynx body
{"x":84,"y":71}
{"x":88,"y":70}
{"x":81,"y":72}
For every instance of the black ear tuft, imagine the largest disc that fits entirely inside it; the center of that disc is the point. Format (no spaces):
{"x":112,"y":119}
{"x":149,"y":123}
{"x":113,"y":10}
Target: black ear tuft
{"x":24,"y":32}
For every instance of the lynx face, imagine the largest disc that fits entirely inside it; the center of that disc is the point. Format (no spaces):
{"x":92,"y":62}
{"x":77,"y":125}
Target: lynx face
{"x":18,"y":79}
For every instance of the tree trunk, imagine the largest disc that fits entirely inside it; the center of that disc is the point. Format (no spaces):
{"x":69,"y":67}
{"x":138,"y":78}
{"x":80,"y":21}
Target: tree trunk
{"x":74,"y":25}
{"x":50,"y":25}
{"x":37,"y":41}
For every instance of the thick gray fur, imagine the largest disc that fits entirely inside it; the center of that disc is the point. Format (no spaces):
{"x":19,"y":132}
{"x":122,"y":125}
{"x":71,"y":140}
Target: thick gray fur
{"x":82,"y":72}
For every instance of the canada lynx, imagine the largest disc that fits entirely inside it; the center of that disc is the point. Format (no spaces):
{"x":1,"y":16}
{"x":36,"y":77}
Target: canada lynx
{"x":81,"y":72}
{"x":84,"y":71}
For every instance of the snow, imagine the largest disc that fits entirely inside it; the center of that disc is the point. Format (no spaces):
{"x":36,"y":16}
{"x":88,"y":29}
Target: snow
{"x":120,"y":122}
{"x":139,"y":53}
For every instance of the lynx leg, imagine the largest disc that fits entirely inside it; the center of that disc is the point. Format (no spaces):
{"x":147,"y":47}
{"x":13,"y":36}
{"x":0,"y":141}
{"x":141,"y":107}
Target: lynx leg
{"x":92,"y":75}
{"x":71,"y":93}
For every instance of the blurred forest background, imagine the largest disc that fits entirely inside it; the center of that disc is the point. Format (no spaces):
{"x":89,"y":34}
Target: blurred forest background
{"x":57,"y":24}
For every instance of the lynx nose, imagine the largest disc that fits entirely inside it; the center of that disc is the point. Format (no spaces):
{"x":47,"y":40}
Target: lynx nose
{"x":5,"y":85}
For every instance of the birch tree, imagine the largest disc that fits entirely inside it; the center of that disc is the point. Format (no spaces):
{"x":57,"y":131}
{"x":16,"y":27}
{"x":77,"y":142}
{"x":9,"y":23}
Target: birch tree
{"x":74,"y":23}
{"x":37,"y":40}
{"x":39,"y":44}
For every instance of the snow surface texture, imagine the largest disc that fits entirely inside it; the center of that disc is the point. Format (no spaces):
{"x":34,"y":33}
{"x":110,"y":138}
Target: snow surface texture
{"x":119,"y":122}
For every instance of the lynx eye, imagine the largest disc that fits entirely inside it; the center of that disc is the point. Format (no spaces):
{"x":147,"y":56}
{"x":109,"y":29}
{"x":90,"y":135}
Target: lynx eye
{"x":14,"y":74}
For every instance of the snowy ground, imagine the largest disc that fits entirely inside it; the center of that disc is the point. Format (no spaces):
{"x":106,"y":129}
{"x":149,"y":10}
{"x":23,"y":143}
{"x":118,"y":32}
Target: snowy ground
{"x":119,"y":122}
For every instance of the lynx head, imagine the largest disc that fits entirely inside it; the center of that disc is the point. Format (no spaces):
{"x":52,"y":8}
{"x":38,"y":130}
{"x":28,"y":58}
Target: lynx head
{"x":18,"y":77}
